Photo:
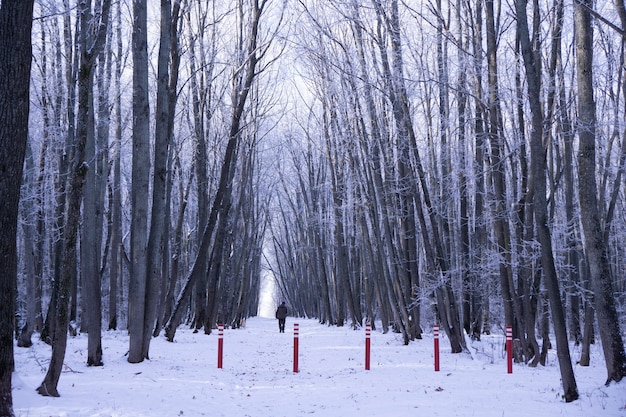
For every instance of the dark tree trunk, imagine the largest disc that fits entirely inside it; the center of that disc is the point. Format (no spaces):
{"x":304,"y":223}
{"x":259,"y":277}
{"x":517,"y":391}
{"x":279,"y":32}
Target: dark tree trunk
{"x":595,"y":245}
{"x":93,"y":35}
{"x":115,"y":197}
{"x":573,"y":233}
{"x":501,"y":227}
{"x":15,"y":62}
{"x":63,"y":156}
{"x":540,"y":206}
{"x":140,"y":193}
{"x":158,"y":220}
{"x":49,"y":385}
{"x":480,"y":232}
{"x":76,"y":179}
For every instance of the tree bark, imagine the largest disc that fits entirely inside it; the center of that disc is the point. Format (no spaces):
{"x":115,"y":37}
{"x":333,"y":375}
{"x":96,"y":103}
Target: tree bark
{"x":156,"y":242}
{"x":595,"y":246}
{"x":115,"y":264}
{"x":140,"y":186}
{"x":92,"y":42}
{"x":76,"y":180}
{"x":15,"y":63}
{"x":480,"y":230}
{"x":573,"y":233}
{"x":501,"y":227}
{"x":540,"y":205}
{"x":198,"y":91}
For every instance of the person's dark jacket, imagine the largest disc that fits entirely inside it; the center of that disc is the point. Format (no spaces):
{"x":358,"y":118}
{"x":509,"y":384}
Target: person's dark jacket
{"x":281,"y":311}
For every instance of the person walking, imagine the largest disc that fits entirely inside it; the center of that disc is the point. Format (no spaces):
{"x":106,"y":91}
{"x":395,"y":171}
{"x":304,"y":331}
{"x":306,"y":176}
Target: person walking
{"x":281,"y":315}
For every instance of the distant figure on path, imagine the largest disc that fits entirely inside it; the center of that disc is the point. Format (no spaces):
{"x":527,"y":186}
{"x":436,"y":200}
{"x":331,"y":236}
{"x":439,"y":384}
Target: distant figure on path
{"x":281,"y":315}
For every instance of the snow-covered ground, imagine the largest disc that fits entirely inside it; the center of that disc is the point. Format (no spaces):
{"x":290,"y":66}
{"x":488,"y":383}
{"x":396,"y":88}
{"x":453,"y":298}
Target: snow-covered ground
{"x":257,"y":378}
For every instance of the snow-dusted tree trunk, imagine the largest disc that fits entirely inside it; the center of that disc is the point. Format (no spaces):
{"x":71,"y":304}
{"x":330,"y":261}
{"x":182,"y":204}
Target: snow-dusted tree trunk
{"x":595,"y":244}
{"x":77,"y":174}
{"x":159,"y":222}
{"x":201,"y":84}
{"x":540,"y":204}
{"x":68,"y":49}
{"x":115,"y":192}
{"x":497,"y":163}
{"x":470,"y":294}
{"x":140,"y":193}
{"x":92,"y":43}
{"x":172,"y":23}
{"x":15,"y":62}
{"x":478,"y":167}
{"x":35,"y":208}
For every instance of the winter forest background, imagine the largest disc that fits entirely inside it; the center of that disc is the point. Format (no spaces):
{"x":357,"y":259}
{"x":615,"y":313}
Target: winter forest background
{"x":395,"y":162}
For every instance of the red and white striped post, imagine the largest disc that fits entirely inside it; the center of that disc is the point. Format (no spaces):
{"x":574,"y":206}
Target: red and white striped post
{"x":368,"y":332}
{"x":436,"y":342}
{"x":509,"y":349}
{"x":296,"y":334}
{"x":220,"y":345}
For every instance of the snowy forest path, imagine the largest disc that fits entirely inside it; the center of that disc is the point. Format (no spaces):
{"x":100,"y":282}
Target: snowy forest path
{"x":321,"y":348}
{"x":257,"y":378}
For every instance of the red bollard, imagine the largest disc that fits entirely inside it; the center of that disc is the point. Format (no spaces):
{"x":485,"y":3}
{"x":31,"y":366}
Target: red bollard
{"x":220,"y":345}
{"x":509,"y":349}
{"x":368,"y":331}
{"x":296,"y":333}
{"x":436,"y":341}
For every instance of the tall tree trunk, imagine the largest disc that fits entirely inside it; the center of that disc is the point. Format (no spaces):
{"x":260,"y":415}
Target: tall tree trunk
{"x":15,"y":62}
{"x":540,"y":206}
{"x":469,"y":291}
{"x":172,"y":91}
{"x":92,"y":43}
{"x":140,"y":192}
{"x":573,"y":233}
{"x":200,"y":155}
{"x":63,"y":155}
{"x":495,"y":132}
{"x":51,"y":118}
{"x":76,"y":180}
{"x":156,"y":242}
{"x":407,"y":250}
{"x":480,"y":230}
{"x":595,"y":244}
{"x":115,"y":265}
{"x":523,"y":220}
